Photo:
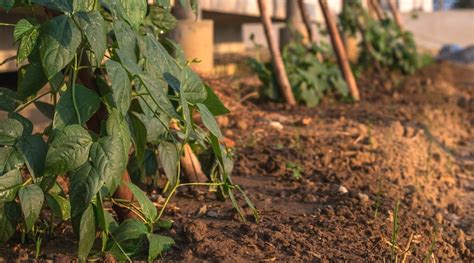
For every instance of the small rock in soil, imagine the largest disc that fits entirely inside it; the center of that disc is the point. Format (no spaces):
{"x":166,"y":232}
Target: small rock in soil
{"x":276,"y":125}
{"x":310,"y":198}
{"x":363,"y":197}
{"x":242,"y":125}
{"x":343,"y":190}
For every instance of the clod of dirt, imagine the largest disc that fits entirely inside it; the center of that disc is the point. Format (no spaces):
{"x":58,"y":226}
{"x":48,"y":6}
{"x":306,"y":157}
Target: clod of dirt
{"x":343,"y":190}
{"x":242,"y":125}
{"x":195,"y":231}
{"x":363,"y":197}
{"x":310,"y":198}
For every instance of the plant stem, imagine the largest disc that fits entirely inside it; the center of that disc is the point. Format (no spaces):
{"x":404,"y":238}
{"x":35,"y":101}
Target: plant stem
{"x":22,"y":107}
{"x":6,"y":24}
{"x":74,"y":78}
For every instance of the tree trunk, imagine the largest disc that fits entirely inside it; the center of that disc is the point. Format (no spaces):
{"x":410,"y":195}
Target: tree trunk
{"x":278,"y":65}
{"x":395,"y":13}
{"x":339,"y":50}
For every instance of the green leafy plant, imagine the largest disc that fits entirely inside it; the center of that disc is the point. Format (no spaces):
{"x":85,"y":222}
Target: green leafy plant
{"x":382,"y":42}
{"x":122,"y":97}
{"x":310,"y":78}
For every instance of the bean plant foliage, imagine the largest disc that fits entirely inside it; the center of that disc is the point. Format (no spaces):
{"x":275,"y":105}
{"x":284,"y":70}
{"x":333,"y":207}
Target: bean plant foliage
{"x":382,"y":42}
{"x":310,"y":78}
{"x":145,"y":93}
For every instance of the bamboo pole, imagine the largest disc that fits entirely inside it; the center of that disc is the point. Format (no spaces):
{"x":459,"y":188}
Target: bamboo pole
{"x":378,"y":9}
{"x":339,"y":50}
{"x":278,"y":65}
{"x":306,"y":20}
{"x":395,"y":13}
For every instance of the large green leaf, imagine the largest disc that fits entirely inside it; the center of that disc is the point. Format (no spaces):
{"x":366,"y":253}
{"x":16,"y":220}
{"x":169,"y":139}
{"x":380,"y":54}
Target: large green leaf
{"x":86,"y":233}
{"x":121,"y":87}
{"x":209,"y":121}
{"x":87,"y":102}
{"x":133,"y":11}
{"x":158,"y":244}
{"x":10,"y":159}
{"x":85,"y":183}
{"x":139,"y":135}
{"x":68,"y":150}
{"x":192,"y":86}
{"x":58,"y":42}
{"x":31,"y":199}
{"x":107,"y":155}
{"x":156,"y":89}
{"x":169,"y":159}
{"x":26,"y":33}
{"x":93,"y":27}
{"x":59,"y":205}
{"x":9,"y":100}
{"x":10,"y":131}
{"x":116,"y":126}
{"x":33,"y":149}
{"x":9,"y":185}
{"x":30,"y":80}
{"x":130,"y":229}
{"x":85,"y":5}
{"x":126,"y":40}
{"x":59,"y":5}
{"x":147,"y":207}
{"x":45,"y":108}
{"x":6,"y":228}
{"x":214,"y":104}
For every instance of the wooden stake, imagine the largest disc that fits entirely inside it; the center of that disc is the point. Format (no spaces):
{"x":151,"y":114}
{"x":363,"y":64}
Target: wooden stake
{"x":278,"y":65}
{"x":339,"y":50}
{"x":306,"y":20}
{"x":378,"y":9}
{"x":395,"y":14}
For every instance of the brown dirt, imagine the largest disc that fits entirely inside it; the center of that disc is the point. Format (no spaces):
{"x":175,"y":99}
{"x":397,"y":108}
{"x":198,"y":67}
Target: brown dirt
{"x":410,"y":143}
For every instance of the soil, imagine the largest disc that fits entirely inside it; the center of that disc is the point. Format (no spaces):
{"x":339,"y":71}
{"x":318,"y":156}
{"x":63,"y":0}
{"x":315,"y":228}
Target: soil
{"x":389,"y":178}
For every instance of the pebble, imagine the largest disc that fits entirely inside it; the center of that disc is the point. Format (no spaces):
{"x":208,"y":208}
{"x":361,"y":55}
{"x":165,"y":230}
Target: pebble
{"x":310,"y":198}
{"x":242,"y":125}
{"x":363,"y":197}
{"x":276,"y":125}
{"x":343,"y":190}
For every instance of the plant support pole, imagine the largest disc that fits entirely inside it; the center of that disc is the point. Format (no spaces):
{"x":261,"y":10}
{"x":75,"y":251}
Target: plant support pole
{"x":339,"y":50}
{"x":306,"y":20}
{"x":395,"y":14}
{"x":278,"y":65}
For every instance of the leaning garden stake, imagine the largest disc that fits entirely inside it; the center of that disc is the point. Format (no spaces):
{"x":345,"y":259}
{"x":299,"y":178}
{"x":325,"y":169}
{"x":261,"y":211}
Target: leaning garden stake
{"x":395,"y":14}
{"x":340,"y":51}
{"x":306,"y":20}
{"x":279,"y":67}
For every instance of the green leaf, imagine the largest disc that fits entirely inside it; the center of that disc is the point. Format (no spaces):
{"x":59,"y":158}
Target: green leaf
{"x":128,"y":63}
{"x":58,"y":43}
{"x":93,"y":26}
{"x":193,"y":86}
{"x":209,"y":121}
{"x":27,"y":125}
{"x":27,"y":44}
{"x":121,"y":87}
{"x":107,"y":157}
{"x":147,"y":207}
{"x":10,"y":131}
{"x":87,"y":102}
{"x":133,"y":11}
{"x":59,"y":205}
{"x":214,"y":104}
{"x":30,"y":80}
{"x":31,"y":199}
{"x":33,"y":149}
{"x":126,"y":40}
{"x":86,"y":233}
{"x":59,"y":5}
{"x":85,"y":183}
{"x":116,"y":126}
{"x":156,"y":89}
{"x":160,"y":62}
{"x":158,"y":244}
{"x":9,"y":185}
{"x":10,"y":159}
{"x":130,"y":229}
{"x":6,"y":228}
{"x":8,"y":100}
{"x":69,"y":149}
{"x":7,"y":5}
{"x":168,"y":155}
{"x":85,"y":5}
